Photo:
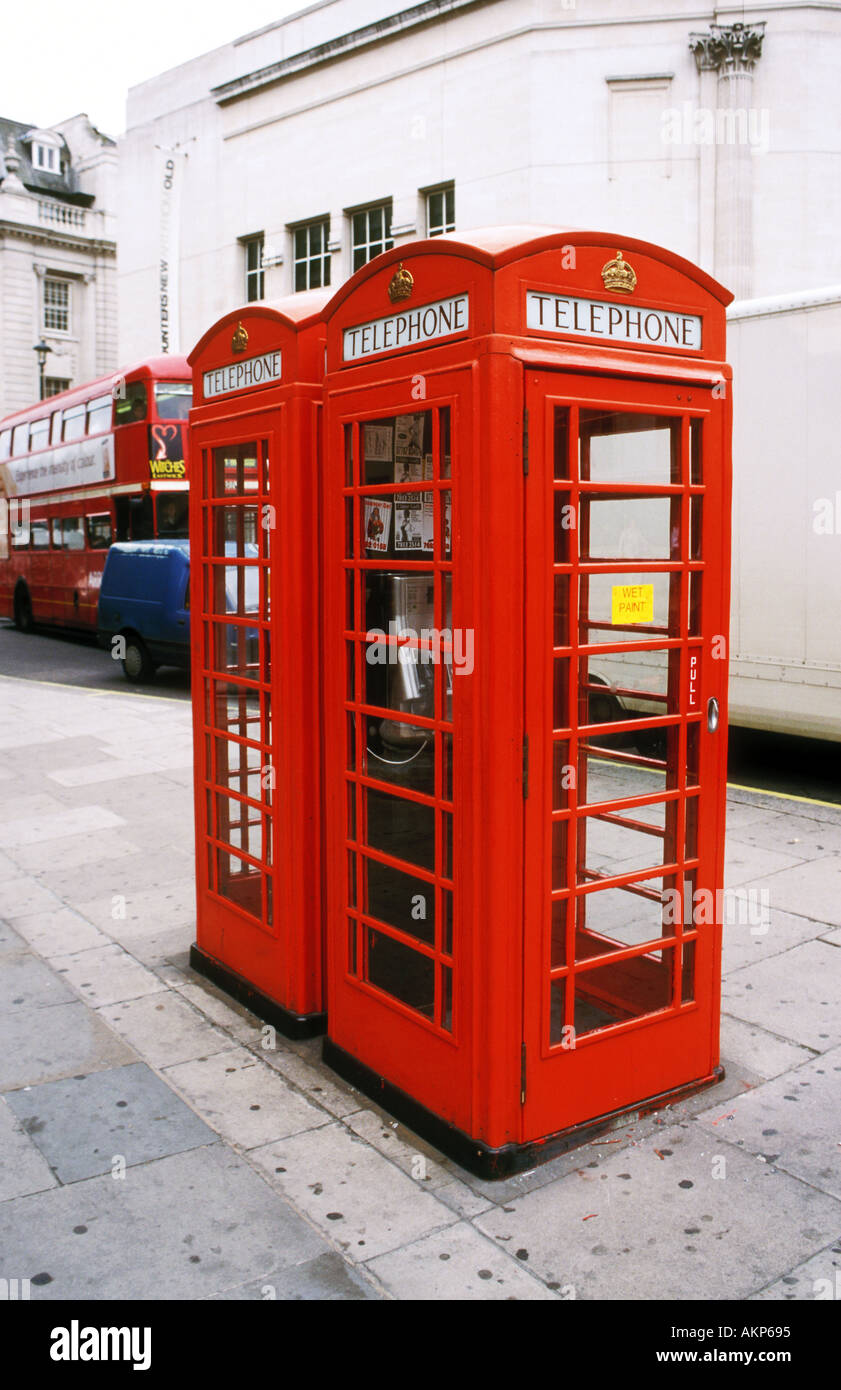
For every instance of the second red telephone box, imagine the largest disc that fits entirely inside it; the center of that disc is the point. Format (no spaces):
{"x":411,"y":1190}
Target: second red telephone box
{"x":256,"y":659}
{"x":526,"y":603}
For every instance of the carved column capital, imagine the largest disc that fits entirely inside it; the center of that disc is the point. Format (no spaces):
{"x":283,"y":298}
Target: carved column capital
{"x":728,"y":48}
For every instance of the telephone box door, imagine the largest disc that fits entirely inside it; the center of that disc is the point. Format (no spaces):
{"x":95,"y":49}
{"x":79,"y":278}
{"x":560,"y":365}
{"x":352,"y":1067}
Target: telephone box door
{"x":398,"y":476}
{"x":627,"y":509}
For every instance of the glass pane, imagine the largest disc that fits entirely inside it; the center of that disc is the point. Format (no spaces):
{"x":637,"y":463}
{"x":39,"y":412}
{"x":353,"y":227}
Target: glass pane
{"x":239,"y":882}
{"x":635,"y":528}
{"x":400,"y":899}
{"x":614,"y":918}
{"x":401,"y":828}
{"x":623,"y":685}
{"x":613,"y":993}
{"x":623,"y":447}
{"x":401,"y":972}
{"x":629,"y":607}
{"x":608,"y":847}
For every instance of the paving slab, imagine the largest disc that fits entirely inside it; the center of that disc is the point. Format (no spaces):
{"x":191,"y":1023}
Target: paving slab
{"x":744,"y":863}
{"x":458,"y":1264}
{"x":792,"y":1122}
{"x":183,"y":1227}
{"x":82,"y":1125}
{"x":806,"y":837}
{"x":751,"y":1048}
{"x":58,"y":933}
{"x":816,"y":1280}
{"x":26,"y":983}
{"x":419,"y":1160}
{"x":11,"y":942}
{"x":640,"y":1226}
{"x":164,"y":1029}
{"x":75,"y":851}
{"x":151,"y":909}
{"x":23,"y":1168}
{"x":326,"y":1279}
{"x":131,"y":875}
{"x":307,"y":1073}
{"x":43,"y":829}
{"x":794,"y":995}
{"x":350,"y":1192}
{"x":107,"y":975}
{"x":48,"y":1044}
{"x":244,"y":1100}
{"x":812,"y":889}
{"x":748,"y":941}
{"x":25,"y":895}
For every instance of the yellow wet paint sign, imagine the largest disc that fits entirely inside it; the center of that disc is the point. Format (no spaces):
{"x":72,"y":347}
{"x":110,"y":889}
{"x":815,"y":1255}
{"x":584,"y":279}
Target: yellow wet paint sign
{"x":632,"y":603}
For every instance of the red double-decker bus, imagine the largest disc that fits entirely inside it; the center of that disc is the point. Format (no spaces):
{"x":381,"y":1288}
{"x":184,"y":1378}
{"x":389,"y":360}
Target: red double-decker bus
{"x":99,"y":463}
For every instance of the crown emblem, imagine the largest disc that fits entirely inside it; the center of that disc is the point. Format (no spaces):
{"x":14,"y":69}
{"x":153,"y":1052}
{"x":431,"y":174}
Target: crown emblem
{"x":402,"y":284}
{"x":239,"y":342}
{"x":619,"y":275}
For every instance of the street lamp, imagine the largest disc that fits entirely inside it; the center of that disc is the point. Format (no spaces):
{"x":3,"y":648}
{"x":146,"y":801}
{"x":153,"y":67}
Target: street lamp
{"x":41,"y":349}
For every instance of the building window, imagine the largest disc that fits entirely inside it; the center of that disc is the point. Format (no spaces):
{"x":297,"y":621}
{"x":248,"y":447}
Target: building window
{"x":54,"y":385}
{"x":254,"y":274}
{"x":310,"y":254}
{"x":371,"y":233}
{"x":46,"y":157}
{"x":441,"y":211}
{"x":56,"y":306}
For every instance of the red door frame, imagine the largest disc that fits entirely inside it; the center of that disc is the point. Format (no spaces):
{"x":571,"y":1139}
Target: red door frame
{"x":604,"y":1071}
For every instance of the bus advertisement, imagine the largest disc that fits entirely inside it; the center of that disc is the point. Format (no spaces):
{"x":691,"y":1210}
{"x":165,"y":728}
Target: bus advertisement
{"x":99,"y":463}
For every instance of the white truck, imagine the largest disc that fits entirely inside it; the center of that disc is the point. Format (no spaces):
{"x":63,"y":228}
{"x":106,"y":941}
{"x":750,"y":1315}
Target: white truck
{"x":785,"y":642}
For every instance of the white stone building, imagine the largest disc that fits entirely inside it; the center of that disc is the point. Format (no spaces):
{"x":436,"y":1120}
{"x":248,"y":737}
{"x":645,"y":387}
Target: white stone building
{"x":295,"y":152}
{"x":58,"y":281}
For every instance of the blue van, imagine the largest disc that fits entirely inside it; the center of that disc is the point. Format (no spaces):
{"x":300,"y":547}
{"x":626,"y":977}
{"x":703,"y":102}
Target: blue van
{"x":145,"y":598}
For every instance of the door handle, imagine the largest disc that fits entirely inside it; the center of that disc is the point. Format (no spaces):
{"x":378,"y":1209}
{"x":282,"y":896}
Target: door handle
{"x":712,"y":715}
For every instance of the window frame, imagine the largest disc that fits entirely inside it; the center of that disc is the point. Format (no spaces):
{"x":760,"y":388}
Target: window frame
{"x":447,"y":225}
{"x":57,"y":309}
{"x":382,"y":243}
{"x":256,"y":273}
{"x":310,"y":258}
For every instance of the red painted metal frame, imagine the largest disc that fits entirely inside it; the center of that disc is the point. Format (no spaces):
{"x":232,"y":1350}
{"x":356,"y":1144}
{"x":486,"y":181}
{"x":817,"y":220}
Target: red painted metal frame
{"x":273,"y":960}
{"x":494,"y":1078}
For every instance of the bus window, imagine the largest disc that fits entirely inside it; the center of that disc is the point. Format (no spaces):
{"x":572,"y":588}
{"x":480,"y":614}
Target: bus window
{"x":74,"y":423}
{"x":57,"y":532}
{"x":40,"y":535}
{"x":39,"y":435}
{"x":173,"y":399}
{"x":5,"y":444}
{"x":99,"y":532}
{"x":73,"y":533}
{"x":99,"y":415}
{"x":173,"y":510}
{"x":130,"y":403}
{"x":55,"y":429}
{"x":20,"y":440}
{"x":141,"y":518}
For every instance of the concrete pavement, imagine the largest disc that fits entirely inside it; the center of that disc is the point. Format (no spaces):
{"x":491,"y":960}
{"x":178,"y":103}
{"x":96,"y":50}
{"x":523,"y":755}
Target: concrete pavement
{"x":151,"y":1147}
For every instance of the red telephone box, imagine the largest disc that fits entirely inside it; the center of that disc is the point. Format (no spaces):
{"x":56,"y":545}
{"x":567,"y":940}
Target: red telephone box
{"x":254,"y":518}
{"x":527,"y":500}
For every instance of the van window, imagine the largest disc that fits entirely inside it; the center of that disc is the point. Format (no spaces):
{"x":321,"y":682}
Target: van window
{"x":40,"y":535}
{"x":5,"y":444}
{"x":99,"y":532}
{"x":74,"y":423}
{"x":99,"y":415}
{"x":20,"y":440}
{"x":39,"y":434}
{"x":73,"y":533}
{"x":130,"y":402}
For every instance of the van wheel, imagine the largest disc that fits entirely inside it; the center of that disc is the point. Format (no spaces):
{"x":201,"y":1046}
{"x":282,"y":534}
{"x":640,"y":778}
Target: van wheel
{"x":138,"y":666}
{"x":23,"y":609}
